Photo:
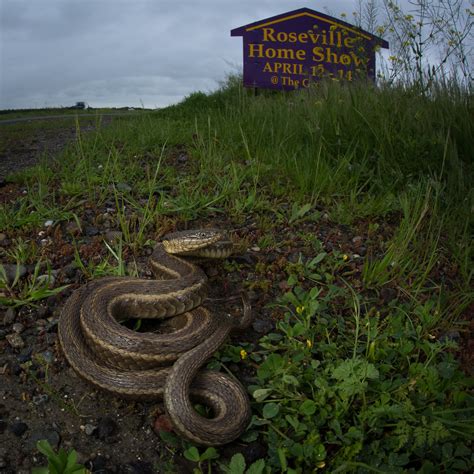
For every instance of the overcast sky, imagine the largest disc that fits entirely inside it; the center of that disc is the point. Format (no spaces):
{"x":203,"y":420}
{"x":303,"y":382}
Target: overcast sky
{"x":125,"y":52}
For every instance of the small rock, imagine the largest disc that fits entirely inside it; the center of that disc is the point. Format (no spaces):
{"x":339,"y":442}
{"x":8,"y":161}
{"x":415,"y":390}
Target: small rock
{"x":47,"y":356}
{"x":91,"y":231}
{"x":89,"y":429}
{"x":262,"y":326}
{"x":451,"y":335}
{"x":137,"y":467}
{"x":9,"y":317}
{"x":48,"y":434}
{"x":72,"y":228}
{"x":182,"y":158}
{"x":25,"y":355}
{"x":98,"y":464}
{"x":106,"y":428}
{"x":40,"y":399}
{"x":18,"y":328}
{"x":123,"y":187}
{"x":162,"y":423}
{"x":255,"y":248}
{"x":388,"y":294}
{"x":15,"y":341}
{"x":46,"y":280}
{"x":12,"y":270}
{"x":18,"y":428}
{"x":48,"y":223}
{"x":70,"y":270}
{"x":113,"y":236}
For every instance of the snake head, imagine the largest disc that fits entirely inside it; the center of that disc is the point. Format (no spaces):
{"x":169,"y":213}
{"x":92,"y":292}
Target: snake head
{"x":208,"y":243}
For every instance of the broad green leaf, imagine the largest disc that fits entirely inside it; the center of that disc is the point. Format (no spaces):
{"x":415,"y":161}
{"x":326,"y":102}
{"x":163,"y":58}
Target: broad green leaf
{"x":192,"y":454}
{"x":45,"y":448}
{"x":237,"y":464}
{"x":261,"y":394}
{"x":308,"y":408}
{"x":257,"y":467}
{"x":270,"y":410}
{"x":209,"y":453}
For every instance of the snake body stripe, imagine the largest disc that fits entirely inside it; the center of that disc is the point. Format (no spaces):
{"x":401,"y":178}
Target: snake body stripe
{"x":148,"y":366}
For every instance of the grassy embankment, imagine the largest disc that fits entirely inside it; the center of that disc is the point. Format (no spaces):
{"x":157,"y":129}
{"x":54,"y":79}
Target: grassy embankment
{"x":347,"y":380}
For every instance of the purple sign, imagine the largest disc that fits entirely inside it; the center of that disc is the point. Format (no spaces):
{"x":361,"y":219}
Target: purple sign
{"x":291,"y":50}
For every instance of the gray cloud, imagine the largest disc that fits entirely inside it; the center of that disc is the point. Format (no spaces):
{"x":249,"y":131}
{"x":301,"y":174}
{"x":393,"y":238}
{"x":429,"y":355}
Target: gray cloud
{"x":116,"y":52}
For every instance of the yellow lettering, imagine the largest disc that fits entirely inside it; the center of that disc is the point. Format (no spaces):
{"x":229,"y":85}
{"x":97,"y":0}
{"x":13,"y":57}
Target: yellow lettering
{"x":318,"y":54}
{"x":345,"y":59}
{"x":357,"y":61}
{"x":301,"y":54}
{"x":292,"y":38}
{"x":331,"y":57}
{"x":268,"y":34}
{"x":268,"y":67}
{"x":303,"y":37}
{"x":349,"y":42}
{"x":286,"y":54}
{"x":255,"y":50}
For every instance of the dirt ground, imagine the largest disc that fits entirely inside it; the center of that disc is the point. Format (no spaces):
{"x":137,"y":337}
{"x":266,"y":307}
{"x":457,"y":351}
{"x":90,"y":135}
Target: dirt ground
{"x":40,"y":395}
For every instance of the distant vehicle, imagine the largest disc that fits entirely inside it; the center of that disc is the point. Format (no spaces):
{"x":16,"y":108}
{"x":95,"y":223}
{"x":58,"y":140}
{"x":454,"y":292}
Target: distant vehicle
{"x":80,"y":106}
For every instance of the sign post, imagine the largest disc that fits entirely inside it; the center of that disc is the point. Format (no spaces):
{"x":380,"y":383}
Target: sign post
{"x":294,"y":49}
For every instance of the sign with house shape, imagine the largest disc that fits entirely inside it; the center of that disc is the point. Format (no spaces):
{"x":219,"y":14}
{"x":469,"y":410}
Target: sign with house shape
{"x":294,"y":49}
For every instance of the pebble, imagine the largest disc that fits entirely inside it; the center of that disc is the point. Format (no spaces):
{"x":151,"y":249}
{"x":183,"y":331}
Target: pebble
{"x":91,"y":231}
{"x":9,"y":317}
{"x":388,"y":294}
{"x":89,"y":429}
{"x":11,"y":271}
{"x":47,"y":356}
{"x":123,"y":187}
{"x":15,"y":341}
{"x":48,"y":223}
{"x":73,"y":228}
{"x":40,"y":399}
{"x":46,"y":279}
{"x":106,"y":428}
{"x":451,"y":335}
{"x":48,"y":434}
{"x":18,"y":328}
{"x":255,"y":248}
{"x":262,"y":326}
{"x":18,"y":428}
{"x":25,"y":355}
{"x":98,"y":464}
{"x":70,"y":270}
{"x":113,"y":236}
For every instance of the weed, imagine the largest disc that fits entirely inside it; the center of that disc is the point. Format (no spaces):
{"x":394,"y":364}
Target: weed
{"x":58,"y":463}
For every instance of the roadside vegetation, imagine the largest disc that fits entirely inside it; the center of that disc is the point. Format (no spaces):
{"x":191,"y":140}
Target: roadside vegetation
{"x":356,"y":202}
{"x":361,"y":371}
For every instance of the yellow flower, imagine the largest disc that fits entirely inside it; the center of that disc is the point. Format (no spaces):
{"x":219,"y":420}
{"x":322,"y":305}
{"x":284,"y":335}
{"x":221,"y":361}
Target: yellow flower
{"x":243,"y":354}
{"x":345,"y":257}
{"x":299,"y":309}
{"x":320,"y":465}
{"x":309,"y":343}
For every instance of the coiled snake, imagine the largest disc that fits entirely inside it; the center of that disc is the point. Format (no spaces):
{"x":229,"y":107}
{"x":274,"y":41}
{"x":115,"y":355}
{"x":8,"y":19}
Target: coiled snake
{"x":145,"y":366}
